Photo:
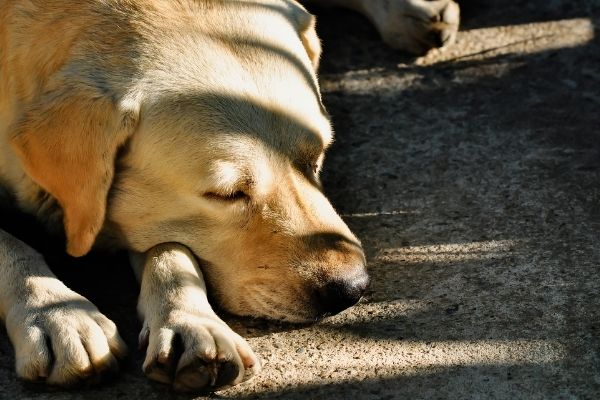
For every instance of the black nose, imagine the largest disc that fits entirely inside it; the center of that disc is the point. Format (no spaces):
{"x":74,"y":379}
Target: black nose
{"x":339,"y":294}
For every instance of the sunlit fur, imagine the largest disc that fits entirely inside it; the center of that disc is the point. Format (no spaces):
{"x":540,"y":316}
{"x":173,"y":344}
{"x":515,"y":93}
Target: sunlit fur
{"x":199,"y":101}
{"x":190,"y":132}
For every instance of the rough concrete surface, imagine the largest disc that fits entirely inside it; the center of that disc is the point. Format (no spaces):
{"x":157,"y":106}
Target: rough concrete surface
{"x":472,"y":177}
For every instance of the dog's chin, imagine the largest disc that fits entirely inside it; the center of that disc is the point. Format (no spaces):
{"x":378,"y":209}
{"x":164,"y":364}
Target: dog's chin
{"x":275,"y":316}
{"x":258,"y":302}
{"x":273,"y":312}
{"x":263,"y":309}
{"x":267,"y":315}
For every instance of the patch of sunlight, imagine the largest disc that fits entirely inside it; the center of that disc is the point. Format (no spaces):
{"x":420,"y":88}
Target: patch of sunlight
{"x":485,"y":45}
{"x":378,"y":214}
{"x":451,"y":252}
{"x":324,"y":360}
{"x":421,"y":354}
{"x":514,"y":39}
{"x":365,"y":312}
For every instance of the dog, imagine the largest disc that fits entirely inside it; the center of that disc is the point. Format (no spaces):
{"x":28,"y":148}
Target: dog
{"x":190,"y":133}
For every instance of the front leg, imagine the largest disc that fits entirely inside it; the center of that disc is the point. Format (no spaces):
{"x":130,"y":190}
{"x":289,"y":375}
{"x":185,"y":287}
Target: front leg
{"x":59,"y":336}
{"x":188,"y":345}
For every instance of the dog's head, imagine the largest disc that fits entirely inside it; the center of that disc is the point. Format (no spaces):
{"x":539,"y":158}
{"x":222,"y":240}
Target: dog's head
{"x":229,"y":138}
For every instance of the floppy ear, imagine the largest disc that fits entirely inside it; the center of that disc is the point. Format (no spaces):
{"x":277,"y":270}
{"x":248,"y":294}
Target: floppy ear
{"x":306,"y":25}
{"x":67,"y":144}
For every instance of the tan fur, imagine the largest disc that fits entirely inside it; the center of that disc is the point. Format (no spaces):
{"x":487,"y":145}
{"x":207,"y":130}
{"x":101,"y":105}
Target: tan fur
{"x":189,"y":132}
{"x":68,"y":148}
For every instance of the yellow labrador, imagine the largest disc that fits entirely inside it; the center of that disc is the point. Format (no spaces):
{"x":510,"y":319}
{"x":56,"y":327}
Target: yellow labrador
{"x":186,"y":132}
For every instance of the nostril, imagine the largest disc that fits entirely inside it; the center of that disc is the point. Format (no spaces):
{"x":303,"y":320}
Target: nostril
{"x":337,"y":295}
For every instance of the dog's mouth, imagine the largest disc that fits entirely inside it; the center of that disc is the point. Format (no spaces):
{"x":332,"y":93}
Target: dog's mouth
{"x":284,"y":296}
{"x":265,"y":302}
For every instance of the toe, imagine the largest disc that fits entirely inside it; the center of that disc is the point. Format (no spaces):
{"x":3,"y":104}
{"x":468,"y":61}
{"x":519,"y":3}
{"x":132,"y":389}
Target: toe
{"x":34,"y":358}
{"x":160,"y":361}
{"x":116,"y":345}
{"x":196,"y":376}
{"x":99,"y":352}
{"x":72,"y":364}
{"x":250,"y":362}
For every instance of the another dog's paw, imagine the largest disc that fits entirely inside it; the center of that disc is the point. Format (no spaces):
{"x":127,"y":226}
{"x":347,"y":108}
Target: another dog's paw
{"x":196,"y":352}
{"x":416,"y":25}
{"x":63,"y":340}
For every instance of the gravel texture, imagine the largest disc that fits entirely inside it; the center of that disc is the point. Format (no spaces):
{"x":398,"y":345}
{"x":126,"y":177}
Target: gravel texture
{"x":472,"y":176}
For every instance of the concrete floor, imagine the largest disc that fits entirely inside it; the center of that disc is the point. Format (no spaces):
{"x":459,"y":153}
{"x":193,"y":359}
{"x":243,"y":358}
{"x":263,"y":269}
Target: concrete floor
{"x":472,"y":177}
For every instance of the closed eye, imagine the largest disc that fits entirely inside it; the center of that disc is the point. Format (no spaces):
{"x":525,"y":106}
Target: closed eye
{"x":313,"y":169}
{"x":228,"y":197}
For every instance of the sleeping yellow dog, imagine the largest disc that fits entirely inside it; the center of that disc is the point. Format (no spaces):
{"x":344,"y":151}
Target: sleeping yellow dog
{"x":190,"y":133}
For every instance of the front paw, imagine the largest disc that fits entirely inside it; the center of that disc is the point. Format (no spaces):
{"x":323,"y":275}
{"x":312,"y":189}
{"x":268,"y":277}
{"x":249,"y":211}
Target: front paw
{"x":64,"y":341}
{"x":196,"y":352}
{"x":418,"y":26}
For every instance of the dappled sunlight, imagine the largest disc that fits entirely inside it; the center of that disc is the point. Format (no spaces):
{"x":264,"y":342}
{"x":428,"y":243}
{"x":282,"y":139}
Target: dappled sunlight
{"x":494,"y":45}
{"x":380,"y":214}
{"x":515,"y":39}
{"x":388,"y":356}
{"x":451,"y":252}
{"x":364,"y":358}
{"x":366,"y":312}
{"x":470,"y":176}
{"x":450,"y":312}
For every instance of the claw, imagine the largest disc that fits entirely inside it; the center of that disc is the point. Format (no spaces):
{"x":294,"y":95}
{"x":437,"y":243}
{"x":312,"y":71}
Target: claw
{"x":143,"y":338}
{"x":196,"y":376}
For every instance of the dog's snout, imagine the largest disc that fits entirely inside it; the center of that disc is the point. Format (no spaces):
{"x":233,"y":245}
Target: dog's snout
{"x":339,"y":294}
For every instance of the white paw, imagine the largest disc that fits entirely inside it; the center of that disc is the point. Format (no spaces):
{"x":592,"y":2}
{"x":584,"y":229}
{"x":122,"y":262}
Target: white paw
{"x":63,"y":340}
{"x":416,"y":25}
{"x":196,"y":352}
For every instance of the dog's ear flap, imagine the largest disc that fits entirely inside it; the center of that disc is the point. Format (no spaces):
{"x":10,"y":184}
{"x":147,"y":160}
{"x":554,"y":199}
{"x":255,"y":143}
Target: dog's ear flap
{"x":67,"y":144}
{"x":306,"y":24}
